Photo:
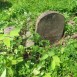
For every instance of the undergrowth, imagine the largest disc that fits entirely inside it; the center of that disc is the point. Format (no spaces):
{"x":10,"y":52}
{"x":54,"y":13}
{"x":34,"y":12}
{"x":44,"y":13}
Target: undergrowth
{"x":41,"y":59}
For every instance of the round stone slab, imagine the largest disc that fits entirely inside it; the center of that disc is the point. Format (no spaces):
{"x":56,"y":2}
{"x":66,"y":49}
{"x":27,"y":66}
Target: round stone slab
{"x":50,"y":26}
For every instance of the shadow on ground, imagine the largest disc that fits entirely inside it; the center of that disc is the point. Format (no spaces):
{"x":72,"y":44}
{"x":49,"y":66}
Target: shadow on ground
{"x":5,"y":5}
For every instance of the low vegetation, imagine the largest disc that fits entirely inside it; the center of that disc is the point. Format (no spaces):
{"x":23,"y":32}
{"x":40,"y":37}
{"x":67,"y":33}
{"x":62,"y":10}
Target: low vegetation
{"x":41,"y":59}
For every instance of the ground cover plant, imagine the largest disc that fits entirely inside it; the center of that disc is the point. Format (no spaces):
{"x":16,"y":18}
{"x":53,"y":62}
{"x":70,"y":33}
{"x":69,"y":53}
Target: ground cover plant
{"x":41,"y":59}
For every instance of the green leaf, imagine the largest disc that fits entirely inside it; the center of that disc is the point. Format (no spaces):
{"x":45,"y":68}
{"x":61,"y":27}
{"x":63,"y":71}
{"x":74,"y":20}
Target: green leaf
{"x":53,"y":65}
{"x":1,"y":36}
{"x":36,"y":72}
{"x":20,"y":59}
{"x":44,"y":57}
{"x":47,"y":75}
{"x":7,"y":41}
{"x":55,"y":62}
{"x":21,"y":47}
{"x":14,"y":62}
{"x":14,"y":32}
{"x":51,"y":53}
{"x":3,"y":74}
{"x":10,"y":72}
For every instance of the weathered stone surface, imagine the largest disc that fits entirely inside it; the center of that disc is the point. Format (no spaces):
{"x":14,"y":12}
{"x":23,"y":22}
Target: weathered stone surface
{"x":7,"y":30}
{"x":50,"y":26}
{"x":29,"y":42}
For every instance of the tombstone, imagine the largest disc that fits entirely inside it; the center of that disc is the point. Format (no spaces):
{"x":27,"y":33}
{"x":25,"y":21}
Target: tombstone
{"x":50,"y":26}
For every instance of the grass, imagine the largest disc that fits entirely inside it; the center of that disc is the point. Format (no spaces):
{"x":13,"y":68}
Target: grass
{"x":39,"y":60}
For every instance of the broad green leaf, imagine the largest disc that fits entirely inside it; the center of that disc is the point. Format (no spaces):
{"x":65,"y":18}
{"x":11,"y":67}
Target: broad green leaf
{"x":44,"y":57}
{"x":55,"y":62}
{"x":36,"y":72}
{"x":21,"y":47}
{"x":27,"y":66}
{"x":47,"y":75}
{"x":7,"y":41}
{"x":51,"y":53}
{"x":14,"y":32}
{"x":20,"y":59}
{"x":3,"y":74}
{"x":10,"y":71}
{"x":1,"y":36}
{"x":53,"y":65}
{"x":14,"y":62}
